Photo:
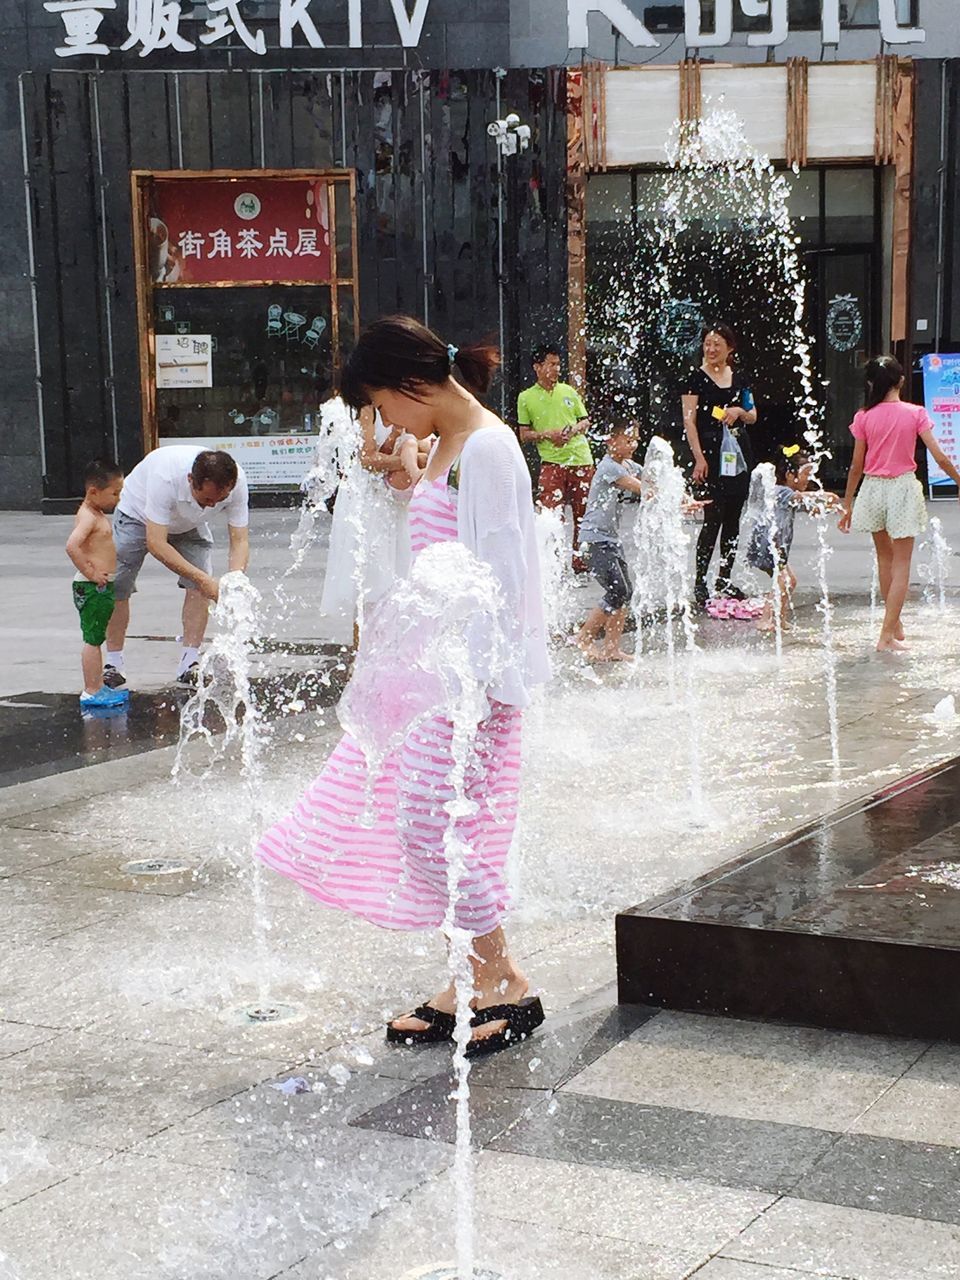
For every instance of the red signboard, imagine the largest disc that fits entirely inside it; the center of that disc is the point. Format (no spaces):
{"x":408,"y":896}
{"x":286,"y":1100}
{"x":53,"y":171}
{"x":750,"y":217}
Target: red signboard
{"x":255,"y":230}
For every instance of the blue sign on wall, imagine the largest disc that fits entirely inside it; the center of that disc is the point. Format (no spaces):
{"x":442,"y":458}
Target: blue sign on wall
{"x":941,"y":395}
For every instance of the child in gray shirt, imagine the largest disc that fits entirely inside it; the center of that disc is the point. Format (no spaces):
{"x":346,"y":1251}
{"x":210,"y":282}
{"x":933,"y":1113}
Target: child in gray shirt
{"x":616,"y":476}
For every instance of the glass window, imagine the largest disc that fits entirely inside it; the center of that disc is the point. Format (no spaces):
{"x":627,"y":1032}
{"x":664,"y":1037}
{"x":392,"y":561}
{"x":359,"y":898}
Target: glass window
{"x":803,"y":203}
{"x":609,"y":196}
{"x":272,"y":359}
{"x":850,"y":196}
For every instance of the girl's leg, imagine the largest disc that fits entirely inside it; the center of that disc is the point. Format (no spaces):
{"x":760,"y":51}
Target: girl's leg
{"x":891,"y":631}
{"x":883,"y":544}
{"x":496,"y":979}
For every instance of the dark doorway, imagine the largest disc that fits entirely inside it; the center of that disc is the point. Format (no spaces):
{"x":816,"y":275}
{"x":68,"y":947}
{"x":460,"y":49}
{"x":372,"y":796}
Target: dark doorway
{"x":640,"y":342}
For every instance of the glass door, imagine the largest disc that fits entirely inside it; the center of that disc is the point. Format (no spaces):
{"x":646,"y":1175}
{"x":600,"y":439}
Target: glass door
{"x":844,"y":311}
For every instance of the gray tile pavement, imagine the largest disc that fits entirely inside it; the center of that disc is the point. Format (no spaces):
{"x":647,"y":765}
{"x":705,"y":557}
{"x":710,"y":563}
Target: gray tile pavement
{"x":140,"y":1138}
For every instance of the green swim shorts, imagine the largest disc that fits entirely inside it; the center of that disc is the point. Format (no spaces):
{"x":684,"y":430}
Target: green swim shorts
{"x":95,"y":606}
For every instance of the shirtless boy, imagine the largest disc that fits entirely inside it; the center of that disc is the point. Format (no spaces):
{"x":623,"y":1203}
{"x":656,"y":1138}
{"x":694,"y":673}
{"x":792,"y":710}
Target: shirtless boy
{"x":91,"y":549}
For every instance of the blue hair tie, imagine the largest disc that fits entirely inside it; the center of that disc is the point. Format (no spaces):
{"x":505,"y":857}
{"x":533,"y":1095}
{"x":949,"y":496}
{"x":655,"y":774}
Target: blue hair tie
{"x":452,"y":353}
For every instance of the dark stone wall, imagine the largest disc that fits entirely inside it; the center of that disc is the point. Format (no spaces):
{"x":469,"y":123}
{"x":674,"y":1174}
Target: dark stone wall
{"x":411,"y":137}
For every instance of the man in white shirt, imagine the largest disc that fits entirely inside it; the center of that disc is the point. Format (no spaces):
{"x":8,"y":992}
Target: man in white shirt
{"x":162,"y":510}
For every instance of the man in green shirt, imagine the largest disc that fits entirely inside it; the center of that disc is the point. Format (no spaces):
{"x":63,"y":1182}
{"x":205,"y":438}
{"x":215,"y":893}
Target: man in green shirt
{"x":552,"y":416}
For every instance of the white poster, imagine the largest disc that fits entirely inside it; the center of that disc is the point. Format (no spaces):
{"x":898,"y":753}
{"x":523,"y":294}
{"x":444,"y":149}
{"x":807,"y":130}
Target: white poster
{"x":184,"y":360}
{"x":267,"y":461}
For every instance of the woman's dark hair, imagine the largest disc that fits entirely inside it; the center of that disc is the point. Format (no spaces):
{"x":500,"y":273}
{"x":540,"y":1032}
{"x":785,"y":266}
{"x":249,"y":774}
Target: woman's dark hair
{"x":881,"y":375}
{"x":726,"y":333}
{"x":399,"y":353}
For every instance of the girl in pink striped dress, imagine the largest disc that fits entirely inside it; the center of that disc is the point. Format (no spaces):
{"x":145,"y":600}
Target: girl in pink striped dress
{"x":394,"y":873}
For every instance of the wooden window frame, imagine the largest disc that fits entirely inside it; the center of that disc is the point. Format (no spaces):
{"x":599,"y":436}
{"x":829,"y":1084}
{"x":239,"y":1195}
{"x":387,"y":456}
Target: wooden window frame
{"x":141,"y":180}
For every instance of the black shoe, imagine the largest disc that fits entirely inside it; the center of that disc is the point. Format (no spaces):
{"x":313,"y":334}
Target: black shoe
{"x":113,"y":678}
{"x":188,"y":677}
{"x":700,"y":596}
{"x":522,"y":1020}
{"x":730,"y":592}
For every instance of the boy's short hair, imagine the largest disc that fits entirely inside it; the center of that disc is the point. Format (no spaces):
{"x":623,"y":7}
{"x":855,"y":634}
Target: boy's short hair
{"x":215,"y":465}
{"x":540,"y":353}
{"x":622,"y":426}
{"x":100,"y":473}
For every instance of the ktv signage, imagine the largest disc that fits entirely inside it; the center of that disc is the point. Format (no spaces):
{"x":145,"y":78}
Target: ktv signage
{"x":162,"y":25}
{"x":623,"y":20}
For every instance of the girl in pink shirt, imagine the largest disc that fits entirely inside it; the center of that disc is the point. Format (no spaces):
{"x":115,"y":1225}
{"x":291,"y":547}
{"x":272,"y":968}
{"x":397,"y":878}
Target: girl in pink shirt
{"x":890,"y":504}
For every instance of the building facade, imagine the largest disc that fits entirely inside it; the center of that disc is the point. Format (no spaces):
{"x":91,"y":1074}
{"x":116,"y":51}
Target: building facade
{"x":215,"y":196}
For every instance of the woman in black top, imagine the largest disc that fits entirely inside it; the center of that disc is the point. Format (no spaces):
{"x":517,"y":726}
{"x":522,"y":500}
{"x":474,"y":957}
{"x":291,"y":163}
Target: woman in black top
{"x":714,"y":396}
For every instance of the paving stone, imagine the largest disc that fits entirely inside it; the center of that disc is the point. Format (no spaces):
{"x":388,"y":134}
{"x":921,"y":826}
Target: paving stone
{"x":17,"y":1036}
{"x":428,"y":1111}
{"x":111,"y":1092}
{"x":261,"y":1127}
{"x":22,"y":851}
{"x":135,"y":1218}
{"x":830,"y":1240}
{"x":29,"y":1164}
{"x":909,"y":1179}
{"x":683,"y":1144}
{"x":750,"y":1070}
{"x":924,"y":1105}
{"x":686,"y":1215}
{"x":728,"y":1269}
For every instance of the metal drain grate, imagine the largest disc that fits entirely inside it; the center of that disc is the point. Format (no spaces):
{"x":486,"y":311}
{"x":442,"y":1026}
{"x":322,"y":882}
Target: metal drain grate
{"x":156,"y":867}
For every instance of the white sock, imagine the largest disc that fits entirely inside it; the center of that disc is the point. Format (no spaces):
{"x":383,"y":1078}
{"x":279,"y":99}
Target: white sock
{"x":115,"y":659}
{"x":187,"y":659}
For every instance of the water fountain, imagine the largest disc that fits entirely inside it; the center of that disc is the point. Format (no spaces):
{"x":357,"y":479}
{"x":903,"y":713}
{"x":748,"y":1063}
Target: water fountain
{"x":662,"y":587}
{"x":443,"y":624}
{"x":934,"y":565}
{"x":587,"y":855}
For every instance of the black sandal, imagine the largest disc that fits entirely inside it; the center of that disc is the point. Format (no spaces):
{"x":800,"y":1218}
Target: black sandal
{"x":522,"y":1020}
{"x":440,"y":1027}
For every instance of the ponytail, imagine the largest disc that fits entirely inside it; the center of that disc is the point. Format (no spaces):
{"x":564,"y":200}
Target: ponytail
{"x":882,"y":374}
{"x":399,"y":353}
{"x":476,"y":366}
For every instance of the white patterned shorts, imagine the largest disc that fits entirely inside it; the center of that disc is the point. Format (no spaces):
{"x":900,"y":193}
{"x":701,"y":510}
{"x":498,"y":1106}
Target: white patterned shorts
{"x":893,"y":503}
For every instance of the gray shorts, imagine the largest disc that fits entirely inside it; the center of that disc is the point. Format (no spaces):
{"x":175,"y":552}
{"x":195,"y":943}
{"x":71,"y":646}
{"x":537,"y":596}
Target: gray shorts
{"x":130,"y":539}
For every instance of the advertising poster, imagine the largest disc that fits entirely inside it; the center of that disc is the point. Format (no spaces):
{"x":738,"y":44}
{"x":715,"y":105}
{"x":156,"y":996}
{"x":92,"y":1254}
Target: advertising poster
{"x":254,"y":230}
{"x":941,"y":395}
{"x":184,"y":360}
{"x":267,"y":461}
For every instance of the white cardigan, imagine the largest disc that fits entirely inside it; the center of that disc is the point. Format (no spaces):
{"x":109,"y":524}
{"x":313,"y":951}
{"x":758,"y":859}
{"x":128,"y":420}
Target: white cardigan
{"x":495,"y":520}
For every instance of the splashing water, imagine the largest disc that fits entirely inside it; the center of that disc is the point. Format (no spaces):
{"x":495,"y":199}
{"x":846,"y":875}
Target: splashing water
{"x":661,"y":546}
{"x":934,"y":568}
{"x":825,"y":609}
{"x":662,"y":585}
{"x":874,"y":591}
{"x":720,"y":208}
{"x":559,"y":593}
{"x":760,"y":532}
{"x":224,"y":693}
{"x":436,"y":643}
{"x":337,"y":453}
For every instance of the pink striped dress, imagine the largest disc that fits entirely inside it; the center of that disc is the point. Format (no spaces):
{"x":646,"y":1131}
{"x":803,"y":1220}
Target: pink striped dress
{"x":395,"y":873}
